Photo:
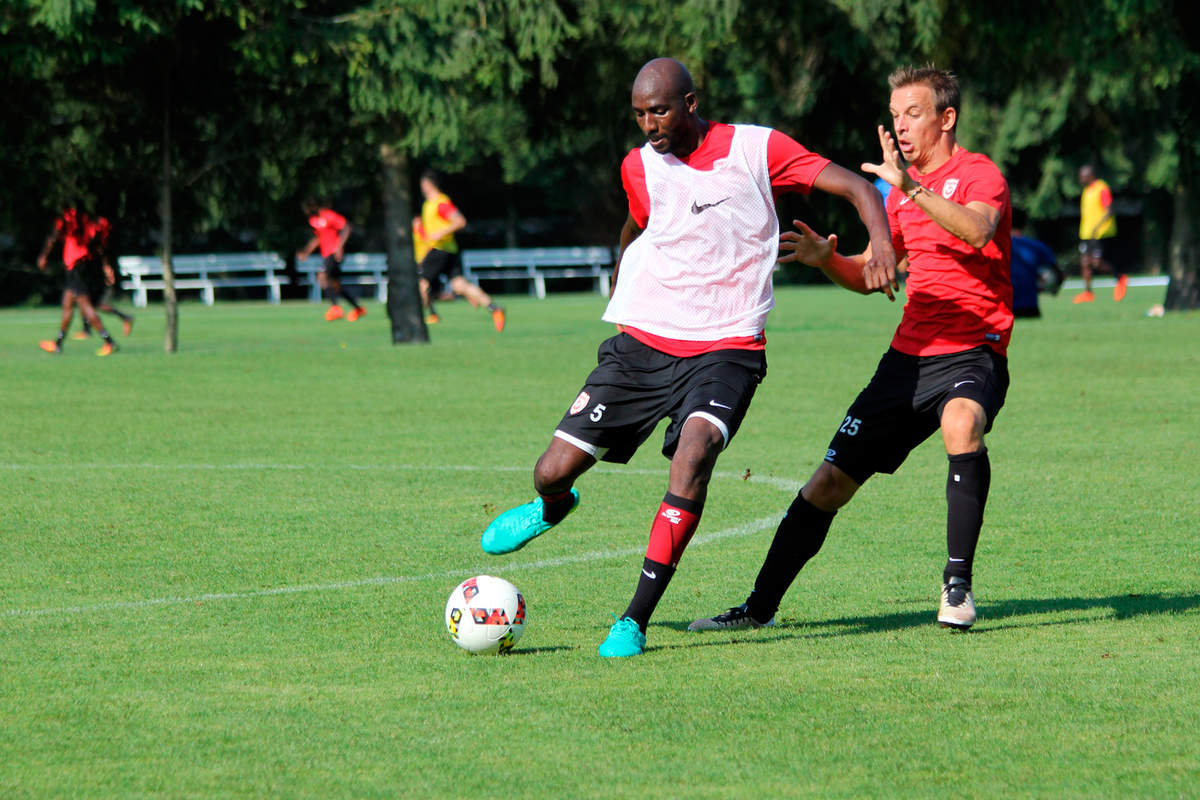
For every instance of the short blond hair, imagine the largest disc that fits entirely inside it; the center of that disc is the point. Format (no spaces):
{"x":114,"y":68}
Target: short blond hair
{"x":941,"y":82}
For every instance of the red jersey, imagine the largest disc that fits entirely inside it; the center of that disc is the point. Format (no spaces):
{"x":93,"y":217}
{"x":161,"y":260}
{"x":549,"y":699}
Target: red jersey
{"x":959,"y":297}
{"x":77,"y":231}
{"x":791,"y":167}
{"x":328,"y":225}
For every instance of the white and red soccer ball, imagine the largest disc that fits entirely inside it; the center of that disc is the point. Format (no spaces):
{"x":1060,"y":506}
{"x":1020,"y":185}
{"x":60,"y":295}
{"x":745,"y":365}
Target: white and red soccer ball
{"x":485,"y":615}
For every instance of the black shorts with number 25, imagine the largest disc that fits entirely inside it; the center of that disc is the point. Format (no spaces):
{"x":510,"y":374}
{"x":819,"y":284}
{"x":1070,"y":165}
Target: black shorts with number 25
{"x":902,"y":406}
{"x":634,"y":387}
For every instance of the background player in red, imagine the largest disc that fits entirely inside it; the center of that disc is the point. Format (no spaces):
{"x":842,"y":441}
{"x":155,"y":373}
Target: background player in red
{"x":75,"y":230}
{"x":101,"y":279}
{"x":692,"y":296}
{"x":947,"y":366}
{"x":330,"y":232}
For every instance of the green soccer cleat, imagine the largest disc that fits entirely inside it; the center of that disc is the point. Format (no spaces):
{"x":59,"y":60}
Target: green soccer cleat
{"x":518,"y":526}
{"x":625,"y":639}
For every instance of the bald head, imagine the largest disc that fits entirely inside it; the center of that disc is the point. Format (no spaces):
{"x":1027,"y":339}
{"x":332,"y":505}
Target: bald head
{"x":664,"y":103}
{"x":665,"y":75}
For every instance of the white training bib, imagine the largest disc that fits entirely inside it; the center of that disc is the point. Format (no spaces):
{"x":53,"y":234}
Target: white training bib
{"x":701,"y":270}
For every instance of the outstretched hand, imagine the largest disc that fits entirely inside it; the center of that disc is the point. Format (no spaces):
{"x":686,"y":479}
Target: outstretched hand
{"x":879,"y":273}
{"x":893,"y":167}
{"x":805,"y":246}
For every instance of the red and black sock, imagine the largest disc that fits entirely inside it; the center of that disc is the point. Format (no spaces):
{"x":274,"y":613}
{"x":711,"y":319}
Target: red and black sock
{"x":557,"y":506}
{"x":674,"y":524}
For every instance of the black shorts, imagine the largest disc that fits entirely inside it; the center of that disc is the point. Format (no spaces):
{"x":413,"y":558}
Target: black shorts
{"x":1094,"y":247}
{"x":634,"y":387}
{"x":902,"y":406}
{"x":332,"y":267}
{"x":440,"y":264}
{"x":76,"y":281}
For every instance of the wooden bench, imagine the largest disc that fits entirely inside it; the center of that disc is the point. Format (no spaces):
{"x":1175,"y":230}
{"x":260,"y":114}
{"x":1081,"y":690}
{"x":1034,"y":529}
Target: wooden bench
{"x":207,"y":273}
{"x":536,"y":265}
{"x":358,"y":269}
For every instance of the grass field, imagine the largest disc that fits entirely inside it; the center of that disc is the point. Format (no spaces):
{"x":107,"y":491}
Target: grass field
{"x":223,"y":572}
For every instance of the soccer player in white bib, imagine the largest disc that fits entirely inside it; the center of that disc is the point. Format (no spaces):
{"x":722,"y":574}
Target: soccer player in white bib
{"x":691,"y":298}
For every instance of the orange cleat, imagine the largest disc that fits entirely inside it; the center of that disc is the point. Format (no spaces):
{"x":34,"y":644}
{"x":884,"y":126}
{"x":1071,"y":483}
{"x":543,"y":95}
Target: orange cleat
{"x":1084,"y":297}
{"x":107,"y":350}
{"x":498,"y":318}
{"x":1119,"y":289}
{"x":356,"y":314}
{"x":49,"y":346}
{"x":432,"y":319}
{"x":79,"y":336}
{"x":334,"y":312}
{"x":127,"y":325}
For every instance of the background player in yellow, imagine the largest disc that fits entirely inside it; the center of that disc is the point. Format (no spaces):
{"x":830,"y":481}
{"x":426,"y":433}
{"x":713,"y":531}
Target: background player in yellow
{"x":1097,"y":229}
{"x":440,"y":220}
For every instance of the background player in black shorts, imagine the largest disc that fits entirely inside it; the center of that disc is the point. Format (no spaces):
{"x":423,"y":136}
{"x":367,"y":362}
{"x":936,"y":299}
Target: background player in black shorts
{"x":101,"y":279}
{"x":74,"y":230}
{"x":441,"y":266}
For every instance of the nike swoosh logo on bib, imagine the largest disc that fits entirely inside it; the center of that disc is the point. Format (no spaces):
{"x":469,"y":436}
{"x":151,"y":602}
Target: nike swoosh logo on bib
{"x":697,"y":208}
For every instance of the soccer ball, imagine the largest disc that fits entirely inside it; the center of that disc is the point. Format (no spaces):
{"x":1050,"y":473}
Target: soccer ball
{"x":485,"y":615}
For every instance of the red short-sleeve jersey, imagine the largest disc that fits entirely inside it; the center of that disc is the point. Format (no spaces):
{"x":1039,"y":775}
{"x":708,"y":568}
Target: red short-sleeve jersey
{"x":328,"y":225}
{"x":76,"y":229}
{"x":793,"y":168}
{"x":959,"y":297}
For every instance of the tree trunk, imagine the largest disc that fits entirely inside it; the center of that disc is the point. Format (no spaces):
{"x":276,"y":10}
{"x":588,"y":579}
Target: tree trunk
{"x":1183,"y":290}
{"x":171,"y":342}
{"x":404,"y":295}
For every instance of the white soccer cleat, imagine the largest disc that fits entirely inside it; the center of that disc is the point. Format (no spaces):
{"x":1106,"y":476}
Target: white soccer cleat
{"x":958,"y":604}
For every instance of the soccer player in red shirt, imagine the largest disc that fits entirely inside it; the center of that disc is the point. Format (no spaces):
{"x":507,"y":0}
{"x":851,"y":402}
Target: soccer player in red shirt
{"x":947,"y":366}
{"x":330,"y":232}
{"x":691,"y":298}
{"x":77,"y":232}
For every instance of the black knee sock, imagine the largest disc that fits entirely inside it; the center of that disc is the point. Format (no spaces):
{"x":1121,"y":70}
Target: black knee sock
{"x":967,"y":484}
{"x":651,"y":585}
{"x":59,"y":339}
{"x":799,"y":536}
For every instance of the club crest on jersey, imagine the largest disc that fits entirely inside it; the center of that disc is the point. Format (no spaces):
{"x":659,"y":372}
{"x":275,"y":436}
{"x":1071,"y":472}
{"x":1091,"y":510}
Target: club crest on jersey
{"x":580,"y":402}
{"x":948,"y":187}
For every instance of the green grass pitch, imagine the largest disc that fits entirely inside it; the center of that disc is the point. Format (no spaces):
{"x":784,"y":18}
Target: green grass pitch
{"x":223,"y":572}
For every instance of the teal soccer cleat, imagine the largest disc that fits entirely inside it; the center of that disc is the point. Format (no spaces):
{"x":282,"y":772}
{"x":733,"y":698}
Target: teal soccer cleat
{"x":518,"y":526}
{"x":625,"y":639}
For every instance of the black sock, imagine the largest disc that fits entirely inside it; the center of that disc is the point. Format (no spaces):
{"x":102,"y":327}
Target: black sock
{"x":121,"y":315}
{"x":493,"y":307}
{"x":799,"y":536}
{"x":59,"y":339}
{"x":555,"y":508}
{"x":87,"y":327}
{"x":651,"y":585}
{"x":970,"y":476}
{"x":106,"y":336}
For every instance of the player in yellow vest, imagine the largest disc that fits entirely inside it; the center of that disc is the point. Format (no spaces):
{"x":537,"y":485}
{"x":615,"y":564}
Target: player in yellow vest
{"x":439,"y":221}
{"x":1097,"y":225}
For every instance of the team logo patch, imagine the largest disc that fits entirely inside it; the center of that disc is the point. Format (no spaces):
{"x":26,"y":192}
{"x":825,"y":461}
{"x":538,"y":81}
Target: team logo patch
{"x":580,"y":403}
{"x":948,"y":187}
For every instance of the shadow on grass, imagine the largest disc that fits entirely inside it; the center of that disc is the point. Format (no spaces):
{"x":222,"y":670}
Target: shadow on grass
{"x":1001,"y":615}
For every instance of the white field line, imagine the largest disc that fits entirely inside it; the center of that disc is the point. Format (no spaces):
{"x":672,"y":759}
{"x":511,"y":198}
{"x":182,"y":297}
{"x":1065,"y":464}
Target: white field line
{"x":744,"y":529}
